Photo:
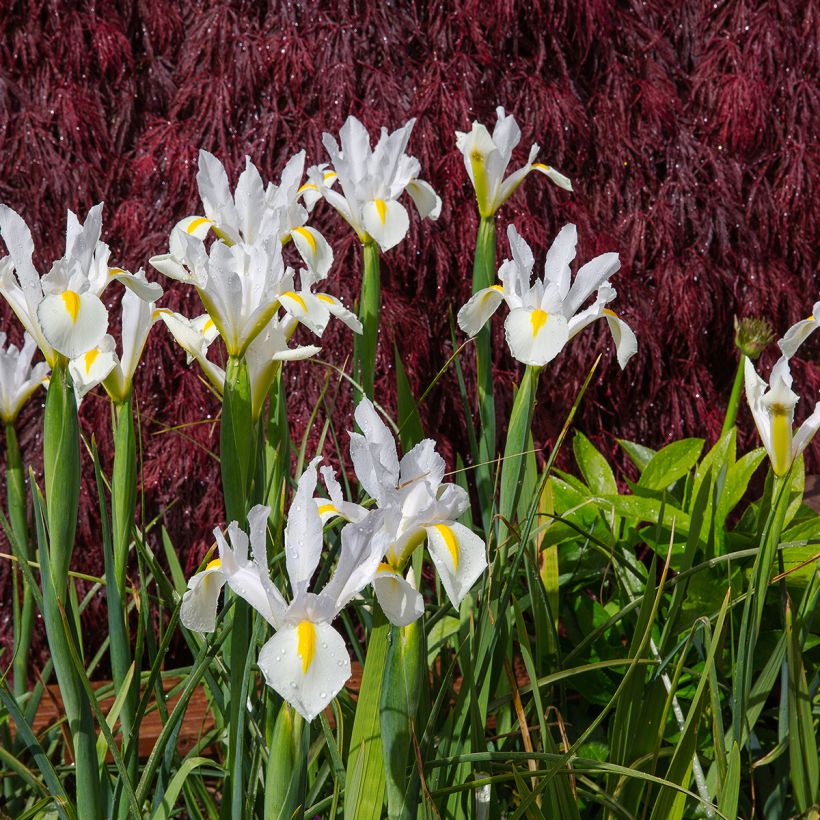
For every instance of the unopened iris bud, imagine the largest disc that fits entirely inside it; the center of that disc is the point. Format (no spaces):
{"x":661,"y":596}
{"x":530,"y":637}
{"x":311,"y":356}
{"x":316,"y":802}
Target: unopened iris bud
{"x":753,"y":336}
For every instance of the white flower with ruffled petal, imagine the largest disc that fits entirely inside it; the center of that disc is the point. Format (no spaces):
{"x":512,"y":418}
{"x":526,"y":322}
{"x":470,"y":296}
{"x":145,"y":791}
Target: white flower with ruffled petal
{"x":62,"y":310}
{"x":18,"y":377}
{"x":306,"y":661}
{"x":417,"y":506}
{"x":547,"y":313}
{"x":372,"y":180}
{"x":315,"y":309}
{"x":487,"y":158}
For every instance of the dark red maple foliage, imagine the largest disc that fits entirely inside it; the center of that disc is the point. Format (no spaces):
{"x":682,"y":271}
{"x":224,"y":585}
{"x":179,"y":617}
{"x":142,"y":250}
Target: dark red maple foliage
{"x":688,"y":130}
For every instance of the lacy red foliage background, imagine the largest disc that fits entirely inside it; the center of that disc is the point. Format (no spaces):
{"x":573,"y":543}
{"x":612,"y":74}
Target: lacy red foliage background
{"x":688,"y":130}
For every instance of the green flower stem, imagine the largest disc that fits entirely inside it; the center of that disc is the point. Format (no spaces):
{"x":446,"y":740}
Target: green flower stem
{"x":484,"y":273}
{"x":515,"y":460}
{"x":734,"y":398}
{"x":61,"y":462}
{"x":366,"y":345}
{"x":123,"y":507}
{"x":402,"y":683}
{"x":286,"y":774}
{"x":754,"y":604}
{"x":23,"y":602}
{"x":365,"y":776}
{"x":238,"y":451}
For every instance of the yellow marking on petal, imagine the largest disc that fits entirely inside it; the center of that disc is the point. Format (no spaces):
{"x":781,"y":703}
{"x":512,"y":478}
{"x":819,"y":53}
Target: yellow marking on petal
{"x":611,"y":313}
{"x":781,"y":440}
{"x":481,"y":183}
{"x":115,"y":271}
{"x":325,"y":298}
{"x":207,"y":326}
{"x":538,"y":318}
{"x":308,"y":186}
{"x":307,"y":236}
{"x":306,"y":643}
{"x":384,"y":568}
{"x":329,"y":174}
{"x":381,"y":208}
{"x":487,"y":295}
{"x":450,"y":541}
{"x":541,"y":167}
{"x":289,"y":294}
{"x":71,"y":300}
{"x":158,"y":312}
{"x":90,"y":358}
{"x":215,"y":564}
{"x":195,"y":223}
{"x":327,"y":508}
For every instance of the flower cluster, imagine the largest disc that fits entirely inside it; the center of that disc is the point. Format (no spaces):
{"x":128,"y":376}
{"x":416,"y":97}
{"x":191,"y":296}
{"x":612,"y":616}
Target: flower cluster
{"x":306,"y":661}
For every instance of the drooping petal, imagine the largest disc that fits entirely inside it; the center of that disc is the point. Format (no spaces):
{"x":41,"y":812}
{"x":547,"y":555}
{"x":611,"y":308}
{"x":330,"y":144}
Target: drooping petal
{"x":400,"y":600}
{"x":73,"y":322}
{"x":195,"y":343}
{"x":306,"y":308}
{"x":799,"y":332}
{"x":306,"y":664}
{"x":337,"y":309}
{"x":93,"y":366}
{"x":534,"y":336}
{"x":427,"y":201}
{"x":806,"y":432}
{"x":314,"y":250}
{"x":201,"y":599}
{"x":459,"y":556}
{"x":626,"y":343}
{"x":556,"y":176}
{"x":137,"y":283}
{"x":386,"y":221}
{"x":479,"y":308}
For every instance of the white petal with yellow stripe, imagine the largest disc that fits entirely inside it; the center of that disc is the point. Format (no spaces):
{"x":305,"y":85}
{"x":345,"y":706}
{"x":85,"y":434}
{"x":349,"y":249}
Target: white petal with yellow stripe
{"x":459,"y":556}
{"x":72,"y":322}
{"x":385,"y":220}
{"x":535,"y":337}
{"x":307,"y":664}
{"x":479,"y":308}
{"x":88,"y":370}
{"x":398,"y":598}
{"x":314,"y":250}
{"x":306,"y":308}
{"x":201,"y":599}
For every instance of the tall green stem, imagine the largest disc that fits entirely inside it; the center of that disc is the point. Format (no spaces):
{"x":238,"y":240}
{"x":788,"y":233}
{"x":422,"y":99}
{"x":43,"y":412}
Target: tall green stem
{"x":238,"y":450}
{"x":734,"y":398}
{"x":366,"y":345}
{"x":484,"y":273}
{"x":61,"y":462}
{"x":123,"y":506}
{"x":23,"y":602}
{"x":365,"y":778}
{"x":515,"y":460}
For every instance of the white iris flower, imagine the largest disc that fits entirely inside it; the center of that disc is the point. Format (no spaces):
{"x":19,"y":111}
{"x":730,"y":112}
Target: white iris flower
{"x":487,"y":158}
{"x":306,"y":661}
{"x":18,"y":378}
{"x":773,"y":404}
{"x":546,"y":313}
{"x":372,"y":180}
{"x":417,"y":505}
{"x":62,"y":310}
